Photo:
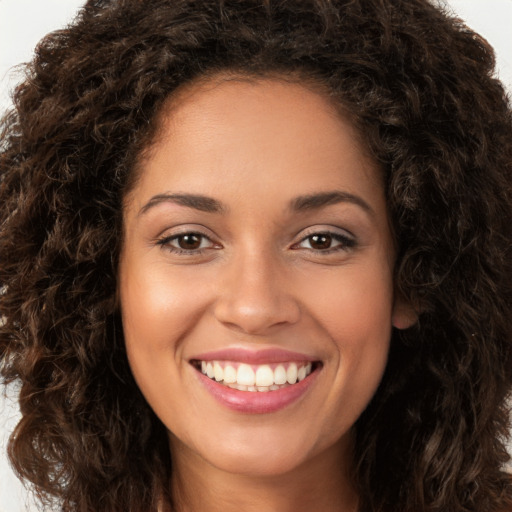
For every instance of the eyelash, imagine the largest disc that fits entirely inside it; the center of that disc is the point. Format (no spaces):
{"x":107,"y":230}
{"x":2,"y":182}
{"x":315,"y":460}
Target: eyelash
{"x":345,"y":243}
{"x":166,"y":243}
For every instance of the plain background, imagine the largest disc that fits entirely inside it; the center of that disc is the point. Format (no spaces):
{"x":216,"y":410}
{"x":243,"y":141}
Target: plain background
{"x":24,"y":22}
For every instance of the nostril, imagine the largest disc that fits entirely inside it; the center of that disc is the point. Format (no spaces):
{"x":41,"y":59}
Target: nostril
{"x":256,"y":318}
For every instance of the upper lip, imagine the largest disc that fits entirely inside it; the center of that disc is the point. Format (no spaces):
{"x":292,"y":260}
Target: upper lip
{"x":262,"y":356}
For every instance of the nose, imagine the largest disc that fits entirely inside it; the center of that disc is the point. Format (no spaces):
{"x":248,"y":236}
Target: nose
{"x":254,"y":295}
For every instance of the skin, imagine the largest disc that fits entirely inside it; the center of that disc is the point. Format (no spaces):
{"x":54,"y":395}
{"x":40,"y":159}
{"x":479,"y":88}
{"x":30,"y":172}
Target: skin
{"x":258,"y":280}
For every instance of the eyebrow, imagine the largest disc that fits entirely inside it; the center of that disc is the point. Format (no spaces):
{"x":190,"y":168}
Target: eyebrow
{"x":198,"y":202}
{"x":299,"y":204}
{"x":322,"y":199}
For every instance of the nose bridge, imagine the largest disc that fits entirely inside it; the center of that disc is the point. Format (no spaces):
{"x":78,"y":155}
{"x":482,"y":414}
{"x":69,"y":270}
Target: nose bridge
{"x":254,"y":295}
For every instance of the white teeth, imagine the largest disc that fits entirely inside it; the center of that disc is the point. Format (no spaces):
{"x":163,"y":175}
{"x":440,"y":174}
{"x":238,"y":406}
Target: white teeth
{"x":291,"y":374}
{"x":280,"y":375}
{"x":218,"y":372}
{"x":238,"y":386}
{"x":229,"y":374}
{"x":261,"y":378}
{"x":264,"y":376}
{"x":245,"y":375}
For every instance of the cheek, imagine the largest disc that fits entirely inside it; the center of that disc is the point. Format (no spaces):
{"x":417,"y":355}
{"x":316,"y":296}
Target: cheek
{"x":355,"y":311}
{"x":353,"y":305}
{"x":158,"y":311}
{"x":154,"y":301}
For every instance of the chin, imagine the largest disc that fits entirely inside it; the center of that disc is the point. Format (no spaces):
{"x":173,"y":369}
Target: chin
{"x":256,"y":463}
{"x":266,"y":451}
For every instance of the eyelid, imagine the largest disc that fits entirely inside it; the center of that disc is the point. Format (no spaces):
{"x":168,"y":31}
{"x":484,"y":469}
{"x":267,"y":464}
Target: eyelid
{"x":185,"y":229}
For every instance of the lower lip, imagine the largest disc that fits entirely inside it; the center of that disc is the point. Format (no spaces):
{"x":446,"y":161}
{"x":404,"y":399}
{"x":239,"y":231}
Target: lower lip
{"x":257,"y":402}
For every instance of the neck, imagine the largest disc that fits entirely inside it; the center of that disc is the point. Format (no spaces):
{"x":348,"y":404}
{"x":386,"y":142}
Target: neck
{"x":321,"y":483}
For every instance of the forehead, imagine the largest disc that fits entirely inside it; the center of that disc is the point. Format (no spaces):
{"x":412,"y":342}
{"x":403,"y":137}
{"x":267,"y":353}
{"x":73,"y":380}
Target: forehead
{"x":226,"y":94}
{"x":236,"y":136}
{"x":257,"y":113}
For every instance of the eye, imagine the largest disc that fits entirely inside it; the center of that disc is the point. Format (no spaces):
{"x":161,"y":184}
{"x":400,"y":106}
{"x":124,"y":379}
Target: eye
{"x":320,"y":241}
{"x":325,"y":242}
{"x":187,"y":242}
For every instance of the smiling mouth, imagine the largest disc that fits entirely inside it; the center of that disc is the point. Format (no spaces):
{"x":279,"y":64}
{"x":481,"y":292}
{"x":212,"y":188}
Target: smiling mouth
{"x":255,"y":378}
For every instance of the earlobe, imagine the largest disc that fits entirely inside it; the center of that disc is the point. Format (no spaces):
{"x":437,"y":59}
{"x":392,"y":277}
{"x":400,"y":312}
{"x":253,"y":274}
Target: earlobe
{"x":404,"y":314}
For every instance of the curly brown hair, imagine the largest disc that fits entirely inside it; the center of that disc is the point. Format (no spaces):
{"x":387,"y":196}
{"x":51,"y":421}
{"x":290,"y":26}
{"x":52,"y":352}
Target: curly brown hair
{"x":416,"y":82}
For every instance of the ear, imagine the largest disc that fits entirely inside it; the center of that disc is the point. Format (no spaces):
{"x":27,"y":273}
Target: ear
{"x":404,"y":315}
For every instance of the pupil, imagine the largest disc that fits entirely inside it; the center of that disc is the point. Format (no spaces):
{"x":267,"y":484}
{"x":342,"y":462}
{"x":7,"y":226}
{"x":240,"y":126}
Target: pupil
{"x":189,"y":241}
{"x":321,"y":241}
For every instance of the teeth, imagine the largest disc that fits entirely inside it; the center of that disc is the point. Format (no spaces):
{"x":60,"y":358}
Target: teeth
{"x":229,"y":374}
{"x":218,"y":372}
{"x":256,"y":378}
{"x":291,"y":373}
{"x":279,"y":375}
{"x":245,"y":375}
{"x":264,"y":376}
{"x":238,"y":386}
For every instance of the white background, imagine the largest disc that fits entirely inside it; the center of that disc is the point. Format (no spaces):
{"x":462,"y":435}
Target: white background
{"x":24,"y":22}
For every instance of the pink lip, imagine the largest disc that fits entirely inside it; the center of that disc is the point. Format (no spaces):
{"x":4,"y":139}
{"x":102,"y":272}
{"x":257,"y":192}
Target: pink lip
{"x":264,"y":356}
{"x":256,"y":402}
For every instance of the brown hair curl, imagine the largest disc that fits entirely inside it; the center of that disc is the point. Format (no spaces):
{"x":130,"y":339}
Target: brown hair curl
{"x":419,"y":86}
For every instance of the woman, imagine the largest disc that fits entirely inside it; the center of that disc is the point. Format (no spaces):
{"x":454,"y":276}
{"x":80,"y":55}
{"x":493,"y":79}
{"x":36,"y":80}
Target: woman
{"x":257,"y":255}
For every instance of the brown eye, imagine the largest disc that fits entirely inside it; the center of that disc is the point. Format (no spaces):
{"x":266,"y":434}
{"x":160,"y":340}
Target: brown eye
{"x":326,"y":242}
{"x":189,"y":242}
{"x":320,"y":241}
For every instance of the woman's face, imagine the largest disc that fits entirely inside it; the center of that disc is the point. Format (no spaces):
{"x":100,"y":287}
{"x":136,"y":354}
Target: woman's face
{"x":257,"y":250}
